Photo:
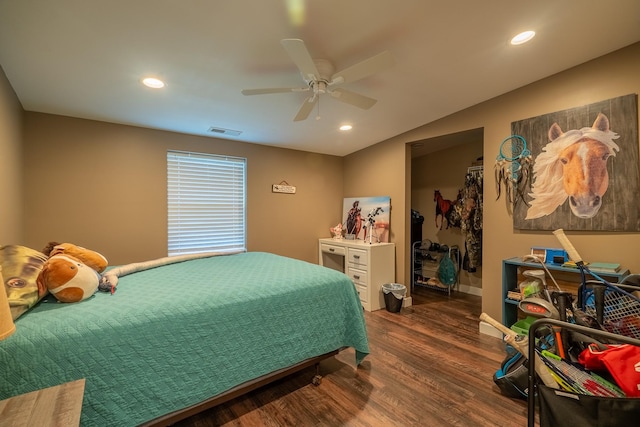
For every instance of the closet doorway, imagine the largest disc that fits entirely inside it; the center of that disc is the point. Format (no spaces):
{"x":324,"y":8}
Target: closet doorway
{"x":441,"y":165}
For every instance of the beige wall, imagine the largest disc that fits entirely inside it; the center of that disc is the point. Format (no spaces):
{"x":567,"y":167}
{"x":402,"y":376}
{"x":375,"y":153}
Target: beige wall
{"x":607,"y":77}
{"x":381,"y":171}
{"x":10,"y":164}
{"x":103,"y":186}
{"x":444,"y":170}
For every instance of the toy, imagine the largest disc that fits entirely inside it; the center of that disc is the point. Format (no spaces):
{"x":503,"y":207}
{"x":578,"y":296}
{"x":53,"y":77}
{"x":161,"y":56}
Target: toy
{"x":336,"y":232}
{"x":20,"y":268}
{"x":72,"y":273}
{"x":88,"y":257}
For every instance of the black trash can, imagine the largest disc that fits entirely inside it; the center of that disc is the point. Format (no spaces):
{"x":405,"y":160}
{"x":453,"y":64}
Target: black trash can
{"x":394,"y":294}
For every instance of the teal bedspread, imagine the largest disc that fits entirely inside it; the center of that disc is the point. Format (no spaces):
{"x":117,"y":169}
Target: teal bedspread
{"x":175,"y":335}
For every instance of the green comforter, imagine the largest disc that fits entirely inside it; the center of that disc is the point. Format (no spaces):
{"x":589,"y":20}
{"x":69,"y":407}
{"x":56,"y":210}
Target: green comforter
{"x":175,"y":335}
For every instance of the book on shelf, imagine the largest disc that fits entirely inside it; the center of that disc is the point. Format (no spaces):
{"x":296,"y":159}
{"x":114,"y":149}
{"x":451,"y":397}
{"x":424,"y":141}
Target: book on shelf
{"x":514,"y":295}
{"x":596,"y":267}
{"x":607,"y":267}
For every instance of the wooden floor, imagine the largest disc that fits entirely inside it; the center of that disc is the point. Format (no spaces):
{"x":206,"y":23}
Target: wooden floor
{"x":428,"y":366}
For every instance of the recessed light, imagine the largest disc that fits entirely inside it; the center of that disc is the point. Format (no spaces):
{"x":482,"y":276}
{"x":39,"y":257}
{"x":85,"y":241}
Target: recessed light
{"x":523,"y":37}
{"x":345,"y":127}
{"x":153,"y":83}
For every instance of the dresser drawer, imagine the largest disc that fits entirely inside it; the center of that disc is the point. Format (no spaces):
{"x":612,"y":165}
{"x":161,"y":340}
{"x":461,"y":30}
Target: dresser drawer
{"x":368,"y":266}
{"x":359,"y":277}
{"x":362,"y":293}
{"x":357,"y":257}
{"x":332,"y":249}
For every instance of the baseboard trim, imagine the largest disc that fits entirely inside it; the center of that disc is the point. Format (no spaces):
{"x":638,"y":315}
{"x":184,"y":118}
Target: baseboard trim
{"x":470,"y":290}
{"x":487,"y":329}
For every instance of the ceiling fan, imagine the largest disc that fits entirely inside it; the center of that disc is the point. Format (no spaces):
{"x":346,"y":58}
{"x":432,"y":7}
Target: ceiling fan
{"x":320,"y":78}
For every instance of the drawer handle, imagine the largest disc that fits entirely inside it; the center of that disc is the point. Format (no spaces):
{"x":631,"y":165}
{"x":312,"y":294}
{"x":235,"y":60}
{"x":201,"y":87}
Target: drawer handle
{"x":331,"y":250}
{"x":356,"y":256}
{"x":356,"y":277}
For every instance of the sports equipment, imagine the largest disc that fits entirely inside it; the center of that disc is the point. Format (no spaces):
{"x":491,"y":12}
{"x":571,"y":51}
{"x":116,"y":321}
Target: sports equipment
{"x":615,"y":308}
{"x":521,"y":343}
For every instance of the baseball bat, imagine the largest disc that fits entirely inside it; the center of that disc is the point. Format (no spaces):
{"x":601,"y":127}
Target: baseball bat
{"x":573,"y":254}
{"x":522,"y":346}
{"x":566,"y":244}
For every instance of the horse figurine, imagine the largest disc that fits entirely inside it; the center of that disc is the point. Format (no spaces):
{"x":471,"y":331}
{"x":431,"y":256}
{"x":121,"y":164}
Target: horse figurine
{"x":444,"y":208}
{"x":573,"y":165}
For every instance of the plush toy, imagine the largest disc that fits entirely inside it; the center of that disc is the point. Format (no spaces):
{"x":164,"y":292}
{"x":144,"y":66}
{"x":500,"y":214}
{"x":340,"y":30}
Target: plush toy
{"x":71,"y":273}
{"x":336,"y":232}
{"x":88,"y":257}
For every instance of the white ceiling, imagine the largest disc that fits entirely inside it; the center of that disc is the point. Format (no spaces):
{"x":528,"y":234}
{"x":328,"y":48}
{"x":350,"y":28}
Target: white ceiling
{"x":85,"y":58}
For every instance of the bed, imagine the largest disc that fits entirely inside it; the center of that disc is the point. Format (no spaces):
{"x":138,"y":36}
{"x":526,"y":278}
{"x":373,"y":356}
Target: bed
{"x":179,"y":338}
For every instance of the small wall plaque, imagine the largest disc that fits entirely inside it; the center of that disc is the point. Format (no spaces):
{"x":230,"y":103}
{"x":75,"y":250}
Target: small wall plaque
{"x":282,"y":188}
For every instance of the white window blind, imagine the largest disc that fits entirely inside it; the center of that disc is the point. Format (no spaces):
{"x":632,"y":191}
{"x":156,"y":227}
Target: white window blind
{"x":206,"y":202}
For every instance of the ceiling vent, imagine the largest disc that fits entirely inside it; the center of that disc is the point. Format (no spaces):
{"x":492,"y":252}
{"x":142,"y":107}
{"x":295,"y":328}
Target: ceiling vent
{"x":222,"y":131}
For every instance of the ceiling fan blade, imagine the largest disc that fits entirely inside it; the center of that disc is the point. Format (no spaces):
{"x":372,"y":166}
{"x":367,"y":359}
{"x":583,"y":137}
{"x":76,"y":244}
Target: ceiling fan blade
{"x":306,"y":108}
{"x":274,"y":90}
{"x":363,"y":69}
{"x":301,"y":57}
{"x":353,"y":98}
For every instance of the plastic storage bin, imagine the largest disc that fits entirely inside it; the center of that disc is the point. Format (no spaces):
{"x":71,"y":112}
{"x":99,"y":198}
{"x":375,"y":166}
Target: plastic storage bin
{"x":521,"y":327}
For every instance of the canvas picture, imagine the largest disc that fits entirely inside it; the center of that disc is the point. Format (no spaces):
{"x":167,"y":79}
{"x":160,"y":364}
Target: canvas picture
{"x":367,"y":218}
{"x":585,"y":169}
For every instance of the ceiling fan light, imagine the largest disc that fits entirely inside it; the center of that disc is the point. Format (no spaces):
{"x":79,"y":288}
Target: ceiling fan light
{"x":321,"y":87}
{"x":345,"y":128}
{"x":296,"y":11}
{"x":523,"y":37}
{"x":153,"y":82}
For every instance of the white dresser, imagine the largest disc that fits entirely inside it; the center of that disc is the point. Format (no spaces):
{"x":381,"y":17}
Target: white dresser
{"x":368,"y":265}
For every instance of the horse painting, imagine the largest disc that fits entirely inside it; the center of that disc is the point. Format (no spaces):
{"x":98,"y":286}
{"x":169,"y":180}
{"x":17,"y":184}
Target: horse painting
{"x":444,"y":208}
{"x":573,"y":166}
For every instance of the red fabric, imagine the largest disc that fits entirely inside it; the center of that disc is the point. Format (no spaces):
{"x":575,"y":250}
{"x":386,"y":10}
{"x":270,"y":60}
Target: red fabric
{"x":622,"y":362}
{"x":591,"y":358}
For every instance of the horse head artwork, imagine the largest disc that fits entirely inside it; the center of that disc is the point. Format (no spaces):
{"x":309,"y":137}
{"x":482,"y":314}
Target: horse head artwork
{"x":573,"y":165}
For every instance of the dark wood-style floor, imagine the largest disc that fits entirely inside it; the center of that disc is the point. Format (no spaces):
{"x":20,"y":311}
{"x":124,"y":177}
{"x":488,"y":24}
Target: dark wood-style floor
{"x":429,"y":366}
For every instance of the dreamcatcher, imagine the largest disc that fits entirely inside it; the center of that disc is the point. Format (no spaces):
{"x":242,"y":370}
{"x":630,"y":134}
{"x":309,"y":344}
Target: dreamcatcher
{"x":513,"y":169}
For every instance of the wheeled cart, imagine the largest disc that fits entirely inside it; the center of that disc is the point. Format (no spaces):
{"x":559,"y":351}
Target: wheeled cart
{"x":559,"y":408}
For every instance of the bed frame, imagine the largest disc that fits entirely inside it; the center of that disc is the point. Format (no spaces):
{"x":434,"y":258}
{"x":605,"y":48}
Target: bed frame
{"x":240,"y":390}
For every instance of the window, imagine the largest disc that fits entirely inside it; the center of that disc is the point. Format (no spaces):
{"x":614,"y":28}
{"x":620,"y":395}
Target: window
{"x":206,"y":202}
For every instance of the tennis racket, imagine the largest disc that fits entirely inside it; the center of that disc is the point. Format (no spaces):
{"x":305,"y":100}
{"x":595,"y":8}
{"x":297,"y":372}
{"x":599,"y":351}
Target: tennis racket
{"x":575,"y":257}
{"x":578,"y":379}
{"x":616,"y":309}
